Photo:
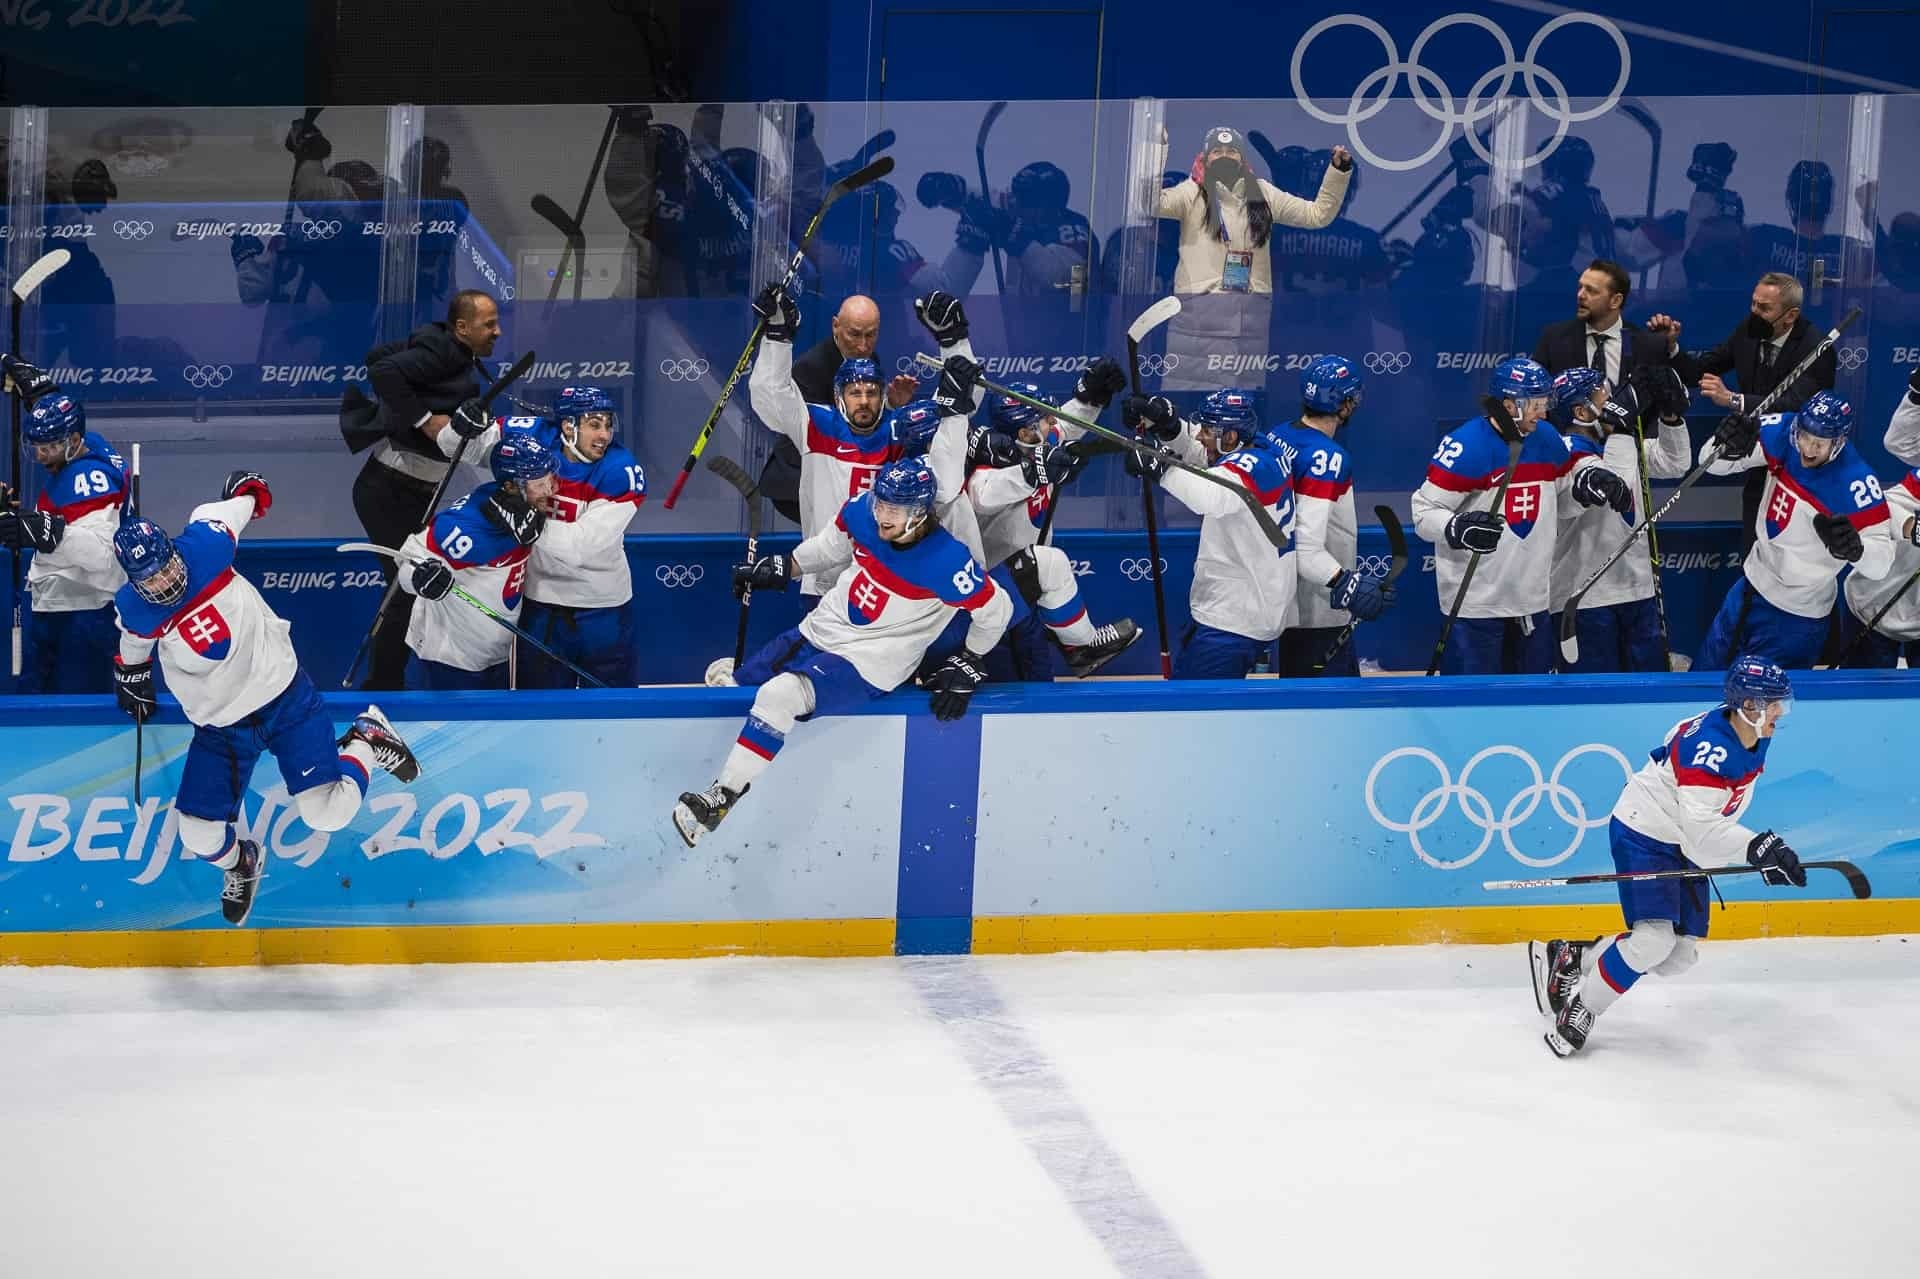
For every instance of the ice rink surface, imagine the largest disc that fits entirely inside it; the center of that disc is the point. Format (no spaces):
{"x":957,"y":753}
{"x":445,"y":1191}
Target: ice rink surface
{"x":1246,"y":1113}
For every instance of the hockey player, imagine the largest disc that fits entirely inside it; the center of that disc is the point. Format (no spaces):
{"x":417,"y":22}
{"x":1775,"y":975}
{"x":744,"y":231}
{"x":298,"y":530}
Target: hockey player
{"x":1503,"y":624}
{"x":579,"y":589}
{"x":485,"y":539}
{"x":70,"y":531}
{"x":1619,"y":618}
{"x":1024,"y":455}
{"x":1328,"y":542}
{"x":1242,"y":588}
{"x":1898,"y":632}
{"x":229,"y":662}
{"x":1820,"y":510}
{"x":1681,"y":810}
{"x":897,"y":577}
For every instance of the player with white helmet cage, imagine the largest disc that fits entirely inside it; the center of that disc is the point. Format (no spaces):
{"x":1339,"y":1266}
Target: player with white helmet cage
{"x":579,"y":588}
{"x":229,"y":662}
{"x":1821,"y":509}
{"x":1681,"y":810}
{"x":483,"y":542}
{"x":897,"y":578}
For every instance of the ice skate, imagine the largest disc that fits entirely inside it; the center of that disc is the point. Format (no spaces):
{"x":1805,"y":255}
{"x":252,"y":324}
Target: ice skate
{"x":697,"y":814}
{"x":1109,"y":642}
{"x":1568,"y":1034}
{"x":390,"y":751}
{"x":238,"y":885}
{"x":1557,"y":966}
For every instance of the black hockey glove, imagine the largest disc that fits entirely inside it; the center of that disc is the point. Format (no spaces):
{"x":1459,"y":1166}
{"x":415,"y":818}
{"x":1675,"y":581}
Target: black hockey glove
{"x":26,"y":381}
{"x":471,"y":420}
{"x":943,"y":316}
{"x":954,"y":395}
{"x":1840,"y":537}
{"x":1779,"y":864}
{"x":249,"y":484}
{"x":1151,"y":414}
{"x":1661,"y":391}
{"x":432,"y":579}
{"x":42,"y":530}
{"x":133,"y":688}
{"x":953,"y":684}
{"x":513,"y":515}
{"x":1597,"y":486}
{"x":992,"y":449}
{"x":1475,"y":531}
{"x":781,"y":314}
{"x":1617,"y":418}
{"x":1062,"y":462}
{"x":1737,"y":436}
{"x":1913,"y":384}
{"x":977,"y":228}
{"x":306,"y":141}
{"x":768,"y":573}
{"x":1361,"y":594}
{"x":1147,"y":462}
{"x":1103,"y":380}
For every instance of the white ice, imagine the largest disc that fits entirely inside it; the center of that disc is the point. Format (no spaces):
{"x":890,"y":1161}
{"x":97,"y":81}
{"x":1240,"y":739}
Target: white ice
{"x":1247,"y":1113}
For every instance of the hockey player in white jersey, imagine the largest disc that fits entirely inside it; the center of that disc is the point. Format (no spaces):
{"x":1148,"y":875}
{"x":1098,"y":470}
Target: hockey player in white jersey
{"x":1327,"y":537}
{"x":1619,"y":617}
{"x":1242,"y":587}
{"x":70,"y":530}
{"x":897,"y":578}
{"x":482,"y":542}
{"x":1903,"y":429}
{"x":1681,"y":810}
{"x":1821,"y":509}
{"x":1897,"y":632}
{"x":1022,"y":458}
{"x":229,"y":662}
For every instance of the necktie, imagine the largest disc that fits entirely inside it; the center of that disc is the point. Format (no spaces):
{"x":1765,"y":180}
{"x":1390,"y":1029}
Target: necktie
{"x":1766,"y":355}
{"x":1599,"y":361}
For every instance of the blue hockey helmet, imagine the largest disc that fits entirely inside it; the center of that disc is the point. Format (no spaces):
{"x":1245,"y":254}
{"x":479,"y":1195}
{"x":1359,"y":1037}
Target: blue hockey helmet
{"x":152,"y":566}
{"x":858,"y":369}
{"x":1826,"y":417}
{"x":1041,"y":185}
{"x":907,"y":484}
{"x":574,"y":401}
{"x":1754,"y":679}
{"x":1007,"y":414}
{"x":1519,"y":378}
{"x":915,"y":425}
{"x":53,"y":419}
{"x":1230,"y":410}
{"x":1575,"y":386}
{"x":521,"y":457}
{"x":1329,"y":382}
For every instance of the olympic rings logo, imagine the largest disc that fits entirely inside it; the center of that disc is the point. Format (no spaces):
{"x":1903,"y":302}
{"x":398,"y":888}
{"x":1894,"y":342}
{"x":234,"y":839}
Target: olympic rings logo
{"x":1478,"y":809}
{"x":133,"y":229}
{"x":1140,"y":569}
{"x":207,"y":377}
{"x":1851,"y":357}
{"x":676,"y":576}
{"x":1483,"y":100}
{"x":319,"y":230}
{"x":1155,"y":365}
{"x":1373,"y":565}
{"x":914,"y":369}
{"x":1388,"y":363}
{"x":683,"y":370}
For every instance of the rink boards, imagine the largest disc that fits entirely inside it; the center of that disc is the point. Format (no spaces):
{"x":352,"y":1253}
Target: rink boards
{"x":1122,"y":815}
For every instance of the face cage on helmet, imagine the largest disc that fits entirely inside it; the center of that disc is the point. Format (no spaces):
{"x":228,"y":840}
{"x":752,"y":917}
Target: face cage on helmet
{"x":166,"y":585}
{"x":1740,"y":709}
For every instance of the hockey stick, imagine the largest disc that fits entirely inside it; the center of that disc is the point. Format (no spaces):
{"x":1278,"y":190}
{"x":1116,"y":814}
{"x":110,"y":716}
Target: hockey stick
{"x":1872,"y":626}
{"x":729,"y":470}
{"x":1149,"y":320}
{"x":460,"y":593}
{"x":282,"y":262}
{"x":880,"y":168}
{"x":1856,"y":880}
{"x":1397,"y":547}
{"x":1569,"y":639}
{"x":1653,"y":538}
{"x":1637,"y":111}
{"x":1509,"y":430}
{"x":507,"y":379}
{"x":986,"y":192}
{"x":1268,"y":529}
{"x":1268,"y":152}
{"x":23,"y":288}
{"x":1453,"y":167}
{"x":570,"y":227}
{"x":132,"y":508}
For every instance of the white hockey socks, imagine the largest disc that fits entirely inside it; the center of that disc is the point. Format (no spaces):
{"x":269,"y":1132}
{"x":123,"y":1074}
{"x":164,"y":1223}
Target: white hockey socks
{"x":781,"y":701}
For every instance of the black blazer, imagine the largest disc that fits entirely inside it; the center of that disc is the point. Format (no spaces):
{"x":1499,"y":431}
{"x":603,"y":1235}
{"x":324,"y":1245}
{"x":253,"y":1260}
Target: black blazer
{"x":1740,"y":355}
{"x":1563,"y":345}
{"x":430,"y":372}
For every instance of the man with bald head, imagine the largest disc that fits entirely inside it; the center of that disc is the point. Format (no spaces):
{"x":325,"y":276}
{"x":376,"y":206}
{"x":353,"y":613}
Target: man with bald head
{"x":856,"y":331}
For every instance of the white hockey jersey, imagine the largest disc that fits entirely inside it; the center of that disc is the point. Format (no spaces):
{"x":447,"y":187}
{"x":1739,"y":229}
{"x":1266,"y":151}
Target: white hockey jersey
{"x":81,"y":574}
{"x":225,"y":653}
{"x":887,"y":604}
{"x":487,"y":564}
{"x":1513,"y":578}
{"x":1009,"y":509}
{"x":1903,"y":431}
{"x":1866,"y":596}
{"x":1589,"y":534}
{"x":1693,"y":789}
{"x":1241,"y":584}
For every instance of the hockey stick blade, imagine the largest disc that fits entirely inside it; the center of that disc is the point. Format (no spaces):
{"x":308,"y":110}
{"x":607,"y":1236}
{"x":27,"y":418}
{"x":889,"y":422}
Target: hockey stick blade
{"x":1268,"y":529}
{"x":1856,"y":879}
{"x":36,"y":275}
{"x":513,"y":374}
{"x":986,"y":125}
{"x":1152,"y":318}
{"x":879,"y":168}
{"x":549,"y":208}
{"x":732,"y":472}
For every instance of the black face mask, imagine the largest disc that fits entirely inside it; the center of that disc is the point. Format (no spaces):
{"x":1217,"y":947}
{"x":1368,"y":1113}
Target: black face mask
{"x":1759,"y":328}
{"x":1224,"y":170}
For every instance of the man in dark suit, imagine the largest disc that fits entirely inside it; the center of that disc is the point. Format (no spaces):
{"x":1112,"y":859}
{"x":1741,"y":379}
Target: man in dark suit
{"x":1764,"y":349}
{"x":420,"y":382}
{"x":1597,"y":337}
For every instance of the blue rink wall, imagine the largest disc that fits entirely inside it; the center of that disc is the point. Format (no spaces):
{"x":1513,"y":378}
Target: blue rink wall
{"x":1116,"y":815}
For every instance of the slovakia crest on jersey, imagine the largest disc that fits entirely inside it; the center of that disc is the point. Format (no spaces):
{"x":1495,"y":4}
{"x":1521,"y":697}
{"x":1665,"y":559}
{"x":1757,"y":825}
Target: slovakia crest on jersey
{"x":1523,"y":508}
{"x":207,"y":633}
{"x":1780,"y":506}
{"x":516,"y":579}
{"x":866,"y":599}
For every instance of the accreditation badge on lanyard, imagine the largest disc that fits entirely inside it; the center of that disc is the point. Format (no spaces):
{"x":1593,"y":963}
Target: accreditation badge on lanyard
{"x":1237,"y":275}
